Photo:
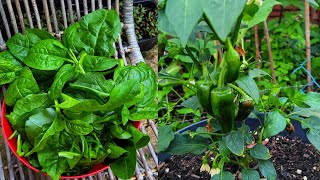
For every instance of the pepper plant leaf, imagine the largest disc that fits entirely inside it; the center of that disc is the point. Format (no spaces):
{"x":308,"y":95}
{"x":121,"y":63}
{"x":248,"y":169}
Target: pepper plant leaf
{"x":250,"y":87}
{"x":267,"y":169}
{"x":263,"y":12}
{"x":274,"y":124}
{"x":166,"y":135}
{"x":312,"y":123}
{"x":183,"y":143}
{"x":183,"y":15}
{"x":249,"y":174}
{"x":222,"y":15}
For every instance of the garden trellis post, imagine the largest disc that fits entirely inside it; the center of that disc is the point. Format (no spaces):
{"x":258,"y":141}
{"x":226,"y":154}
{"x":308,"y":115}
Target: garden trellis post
{"x":266,"y":32}
{"x":308,"y":52}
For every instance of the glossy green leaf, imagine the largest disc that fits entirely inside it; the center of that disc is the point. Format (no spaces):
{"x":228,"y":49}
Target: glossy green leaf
{"x":35,"y":123}
{"x":314,"y":3}
{"x":254,"y":73}
{"x":9,"y":65}
{"x":20,"y":44}
{"x":267,"y":169}
{"x":192,"y":103}
{"x":46,"y":55}
{"x":235,"y":142}
{"x":139,"y":138}
{"x":260,"y":151}
{"x":123,"y":93}
{"x":24,"y":85}
{"x":223,"y":148}
{"x":24,"y":107}
{"x":68,"y":155}
{"x":142,"y":73}
{"x":94,"y":82}
{"x":312,"y":123}
{"x":166,"y":135}
{"x":116,"y":151}
{"x":94,"y":34}
{"x":307,"y":112}
{"x":250,"y":87}
{"x":124,"y":167}
{"x":224,"y":175}
{"x":164,"y":25}
{"x":183,"y":15}
{"x":52,"y":163}
{"x":119,"y":132}
{"x":222,"y":15}
{"x":183,"y":144}
{"x":249,"y":174}
{"x":125,"y":113}
{"x":78,"y":127}
{"x":274,"y":124}
{"x":263,"y":12}
{"x":40,"y":33}
{"x":98,"y":63}
{"x":41,"y":141}
{"x":64,"y":74}
{"x":141,"y":113}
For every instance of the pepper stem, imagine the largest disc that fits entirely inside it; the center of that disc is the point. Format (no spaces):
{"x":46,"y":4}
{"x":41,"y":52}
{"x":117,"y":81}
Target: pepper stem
{"x":240,"y":91}
{"x":221,"y":76}
{"x":205,"y":70}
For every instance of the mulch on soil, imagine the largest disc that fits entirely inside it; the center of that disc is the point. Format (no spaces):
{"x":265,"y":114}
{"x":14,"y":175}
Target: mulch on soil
{"x":292,"y":158}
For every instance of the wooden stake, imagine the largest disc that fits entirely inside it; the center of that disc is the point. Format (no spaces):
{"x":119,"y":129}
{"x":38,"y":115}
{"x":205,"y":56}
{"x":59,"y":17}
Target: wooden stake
{"x":256,"y":40}
{"x":266,"y":32}
{"x":308,"y":53}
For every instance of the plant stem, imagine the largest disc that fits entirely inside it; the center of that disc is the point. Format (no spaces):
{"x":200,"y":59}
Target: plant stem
{"x":262,"y":130}
{"x":240,"y":91}
{"x":178,"y":94}
{"x":204,"y":70}
{"x":214,"y":164}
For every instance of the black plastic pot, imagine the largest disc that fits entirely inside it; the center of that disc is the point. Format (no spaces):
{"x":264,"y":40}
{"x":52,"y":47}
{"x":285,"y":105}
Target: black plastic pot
{"x":253,"y":124}
{"x":146,"y":44}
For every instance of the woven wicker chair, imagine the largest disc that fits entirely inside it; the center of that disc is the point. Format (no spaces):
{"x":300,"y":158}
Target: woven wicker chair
{"x":55,"y":16}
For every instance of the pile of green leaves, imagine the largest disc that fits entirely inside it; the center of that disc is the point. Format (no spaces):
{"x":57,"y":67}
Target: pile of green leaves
{"x":71,"y":104}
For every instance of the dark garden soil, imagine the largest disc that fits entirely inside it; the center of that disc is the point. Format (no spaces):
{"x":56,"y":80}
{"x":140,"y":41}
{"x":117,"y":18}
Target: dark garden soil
{"x":293,"y":159}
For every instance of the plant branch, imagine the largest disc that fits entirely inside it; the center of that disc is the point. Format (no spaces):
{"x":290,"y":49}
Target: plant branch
{"x":240,"y":91}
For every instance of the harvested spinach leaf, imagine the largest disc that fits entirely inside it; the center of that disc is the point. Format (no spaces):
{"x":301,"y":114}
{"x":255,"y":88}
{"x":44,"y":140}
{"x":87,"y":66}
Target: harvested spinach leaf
{"x":24,"y":85}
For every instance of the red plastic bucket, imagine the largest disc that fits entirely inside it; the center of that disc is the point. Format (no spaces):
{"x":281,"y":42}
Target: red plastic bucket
{"x":12,"y":143}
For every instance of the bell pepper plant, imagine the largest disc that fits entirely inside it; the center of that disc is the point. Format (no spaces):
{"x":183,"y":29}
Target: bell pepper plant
{"x":211,"y":34}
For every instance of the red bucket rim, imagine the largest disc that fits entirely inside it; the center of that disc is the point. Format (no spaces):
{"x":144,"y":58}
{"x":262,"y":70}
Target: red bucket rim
{"x":12,"y":143}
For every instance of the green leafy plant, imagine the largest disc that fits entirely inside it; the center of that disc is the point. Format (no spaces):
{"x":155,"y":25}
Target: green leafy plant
{"x":288,"y":50}
{"x":226,"y":89}
{"x":71,"y":104}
